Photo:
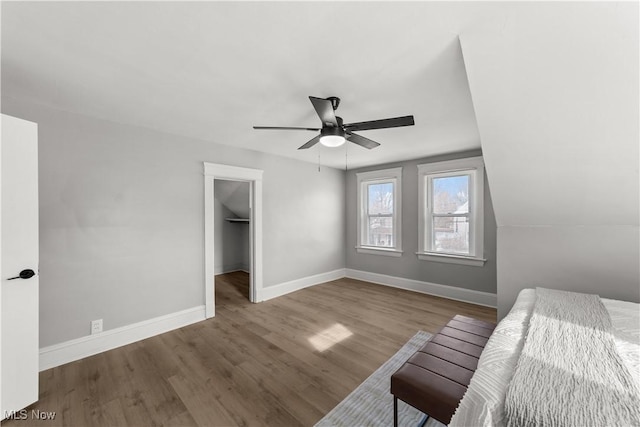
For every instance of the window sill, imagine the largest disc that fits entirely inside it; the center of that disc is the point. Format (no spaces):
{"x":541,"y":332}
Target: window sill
{"x":451,"y":259}
{"x":378,"y":251}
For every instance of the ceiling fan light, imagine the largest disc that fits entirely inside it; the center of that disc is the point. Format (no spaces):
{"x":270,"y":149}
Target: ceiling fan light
{"x":332,"y":140}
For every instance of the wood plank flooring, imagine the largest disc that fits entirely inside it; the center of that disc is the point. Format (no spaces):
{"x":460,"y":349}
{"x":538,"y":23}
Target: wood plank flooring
{"x":251,"y":365}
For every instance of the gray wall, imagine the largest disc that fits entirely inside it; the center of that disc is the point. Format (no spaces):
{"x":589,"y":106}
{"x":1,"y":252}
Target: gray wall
{"x":408,"y":265}
{"x":560,"y":124}
{"x":121,"y":220}
{"x":231,"y":238}
{"x":603,"y":260}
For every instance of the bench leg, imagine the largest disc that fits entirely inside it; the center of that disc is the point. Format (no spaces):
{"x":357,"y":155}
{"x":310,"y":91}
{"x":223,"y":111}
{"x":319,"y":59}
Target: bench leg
{"x":395,"y":411}
{"x":423,"y":421}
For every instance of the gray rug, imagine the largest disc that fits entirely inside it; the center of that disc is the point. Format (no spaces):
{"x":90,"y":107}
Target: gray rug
{"x":371,"y":404}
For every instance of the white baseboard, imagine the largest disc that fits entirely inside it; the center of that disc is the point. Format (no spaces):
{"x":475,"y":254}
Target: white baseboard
{"x":295,"y":285}
{"x":69,"y":351}
{"x":451,"y":292}
{"x":230,"y":268}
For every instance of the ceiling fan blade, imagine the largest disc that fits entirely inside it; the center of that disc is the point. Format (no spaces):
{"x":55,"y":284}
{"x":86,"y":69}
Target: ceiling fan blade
{"x":361,"y":141}
{"x":311,"y":143}
{"x":324,"y":108}
{"x":285,"y":128}
{"x":381,"y":124}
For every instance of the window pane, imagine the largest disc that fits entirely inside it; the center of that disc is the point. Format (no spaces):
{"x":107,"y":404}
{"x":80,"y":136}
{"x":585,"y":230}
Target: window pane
{"x":451,"y":194}
{"x":380,"y":231}
{"x":380,"y":198}
{"x":451,"y":234}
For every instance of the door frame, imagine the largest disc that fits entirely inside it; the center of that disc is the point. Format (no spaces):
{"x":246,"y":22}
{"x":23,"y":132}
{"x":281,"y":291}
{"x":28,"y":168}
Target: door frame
{"x":213,"y":171}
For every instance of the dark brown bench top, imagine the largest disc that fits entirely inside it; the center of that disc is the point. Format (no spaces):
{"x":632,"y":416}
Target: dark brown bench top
{"x":436,"y":377}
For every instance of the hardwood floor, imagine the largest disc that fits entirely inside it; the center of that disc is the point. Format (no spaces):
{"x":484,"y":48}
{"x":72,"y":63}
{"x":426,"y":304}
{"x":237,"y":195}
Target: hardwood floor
{"x":277,"y":363}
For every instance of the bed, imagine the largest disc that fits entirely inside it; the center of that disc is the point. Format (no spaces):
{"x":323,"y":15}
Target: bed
{"x":489,"y":397}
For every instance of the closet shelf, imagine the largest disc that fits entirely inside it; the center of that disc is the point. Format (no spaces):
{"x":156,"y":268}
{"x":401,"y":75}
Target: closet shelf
{"x":237,"y":219}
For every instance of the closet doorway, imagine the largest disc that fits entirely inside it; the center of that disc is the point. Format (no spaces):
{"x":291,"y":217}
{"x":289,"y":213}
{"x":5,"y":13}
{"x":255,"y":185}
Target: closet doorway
{"x":231,"y":246}
{"x":233,"y":228}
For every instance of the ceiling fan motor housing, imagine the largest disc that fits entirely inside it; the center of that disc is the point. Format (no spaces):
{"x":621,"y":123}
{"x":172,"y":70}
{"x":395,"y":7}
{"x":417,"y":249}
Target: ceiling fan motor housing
{"x":333,"y":136}
{"x":331,"y":130}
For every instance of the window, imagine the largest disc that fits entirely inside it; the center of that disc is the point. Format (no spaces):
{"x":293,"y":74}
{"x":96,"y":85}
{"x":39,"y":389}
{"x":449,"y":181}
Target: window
{"x":452,"y":211}
{"x":379,"y":212}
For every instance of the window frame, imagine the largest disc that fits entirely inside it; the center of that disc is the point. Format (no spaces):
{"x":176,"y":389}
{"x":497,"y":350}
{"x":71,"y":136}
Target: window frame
{"x":363,"y":179}
{"x":474,"y":168}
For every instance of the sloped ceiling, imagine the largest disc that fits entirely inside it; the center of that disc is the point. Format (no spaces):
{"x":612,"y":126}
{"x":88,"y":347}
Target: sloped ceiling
{"x":555,"y":89}
{"x":212,"y":70}
{"x":234,"y":195}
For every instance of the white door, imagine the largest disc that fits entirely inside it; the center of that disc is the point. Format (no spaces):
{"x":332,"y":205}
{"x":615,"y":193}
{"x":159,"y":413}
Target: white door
{"x":18,"y":256}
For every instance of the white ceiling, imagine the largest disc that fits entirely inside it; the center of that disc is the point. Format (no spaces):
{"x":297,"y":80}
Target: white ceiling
{"x":212,"y":70}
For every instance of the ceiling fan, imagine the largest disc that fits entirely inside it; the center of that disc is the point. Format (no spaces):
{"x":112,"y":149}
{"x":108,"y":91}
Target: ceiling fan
{"x":334,"y":132}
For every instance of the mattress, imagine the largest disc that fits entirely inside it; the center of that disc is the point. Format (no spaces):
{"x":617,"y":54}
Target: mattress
{"x":483,"y":403}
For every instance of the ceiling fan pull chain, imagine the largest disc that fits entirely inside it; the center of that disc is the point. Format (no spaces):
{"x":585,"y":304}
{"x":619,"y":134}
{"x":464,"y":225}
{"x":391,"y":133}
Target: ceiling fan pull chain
{"x":318,"y":161}
{"x":346,"y":157}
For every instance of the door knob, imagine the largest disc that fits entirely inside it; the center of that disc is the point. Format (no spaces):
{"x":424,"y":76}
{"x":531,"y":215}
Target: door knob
{"x":24,"y":274}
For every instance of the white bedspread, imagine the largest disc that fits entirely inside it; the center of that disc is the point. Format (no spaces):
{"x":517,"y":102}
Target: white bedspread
{"x":483,"y":403}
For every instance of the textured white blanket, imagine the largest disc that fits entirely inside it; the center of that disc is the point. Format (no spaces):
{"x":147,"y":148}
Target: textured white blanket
{"x":569,"y":372}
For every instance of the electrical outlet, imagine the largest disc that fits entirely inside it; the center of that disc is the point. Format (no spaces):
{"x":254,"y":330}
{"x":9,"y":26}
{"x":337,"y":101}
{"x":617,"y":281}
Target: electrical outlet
{"x":96,"y":326}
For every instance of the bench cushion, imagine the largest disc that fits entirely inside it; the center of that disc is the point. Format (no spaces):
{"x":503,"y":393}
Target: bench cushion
{"x":427,"y":391}
{"x":436,"y":377}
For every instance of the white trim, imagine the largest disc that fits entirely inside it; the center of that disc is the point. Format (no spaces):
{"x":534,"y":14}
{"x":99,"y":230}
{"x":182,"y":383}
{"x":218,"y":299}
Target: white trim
{"x":380,"y":175}
{"x":393,"y":175}
{"x":69,"y":351}
{"x":230,"y":268}
{"x":213,"y":171}
{"x":450,"y":292}
{"x":451,"y":259}
{"x":456,"y":165}
{"x":372,"y":250}
{"x":209,"y":246}
{"x":304,"y":282}
{"x":474,"y":167}
{"x":232,"y":173}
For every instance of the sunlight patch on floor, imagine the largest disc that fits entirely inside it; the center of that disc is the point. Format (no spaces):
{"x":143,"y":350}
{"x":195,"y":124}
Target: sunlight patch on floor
{"x":326,"y":339}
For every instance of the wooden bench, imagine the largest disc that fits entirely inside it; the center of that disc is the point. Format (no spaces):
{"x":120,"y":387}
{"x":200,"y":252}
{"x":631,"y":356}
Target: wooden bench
{"x":436,"y":377}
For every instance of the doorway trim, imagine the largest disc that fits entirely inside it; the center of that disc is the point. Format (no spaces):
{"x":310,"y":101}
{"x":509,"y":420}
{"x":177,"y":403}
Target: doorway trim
{"x":213,"y":171}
